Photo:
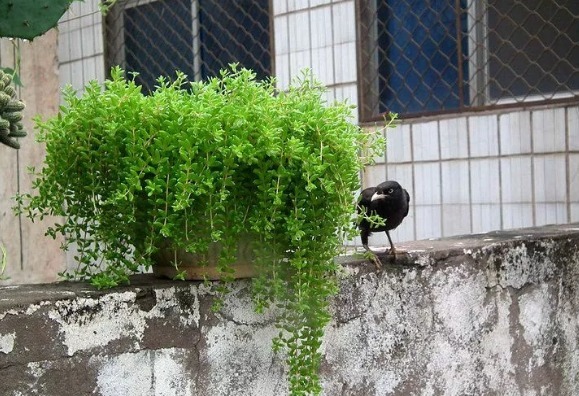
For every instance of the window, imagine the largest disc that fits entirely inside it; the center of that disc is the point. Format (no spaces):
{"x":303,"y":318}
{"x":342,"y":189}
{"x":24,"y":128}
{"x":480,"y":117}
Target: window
{"x":420,"y":57}
{"x":197,"y":37}
{"x":535,"y":47}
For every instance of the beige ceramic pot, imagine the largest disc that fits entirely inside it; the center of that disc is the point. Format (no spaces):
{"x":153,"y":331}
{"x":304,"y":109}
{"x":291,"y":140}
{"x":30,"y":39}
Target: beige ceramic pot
{"x":170,"y":261}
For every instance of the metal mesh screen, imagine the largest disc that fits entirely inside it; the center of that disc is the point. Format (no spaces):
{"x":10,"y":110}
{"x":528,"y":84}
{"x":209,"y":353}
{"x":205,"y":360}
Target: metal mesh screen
{"x":197,"y":37}
{"x":418,"y":57}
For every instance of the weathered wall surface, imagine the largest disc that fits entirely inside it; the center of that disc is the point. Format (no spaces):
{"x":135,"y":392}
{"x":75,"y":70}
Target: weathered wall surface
{"x":31,"y":257}
{"x":491,"y":314}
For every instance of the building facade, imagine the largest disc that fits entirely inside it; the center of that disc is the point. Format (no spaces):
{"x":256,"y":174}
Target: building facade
{"x":486,"y":92}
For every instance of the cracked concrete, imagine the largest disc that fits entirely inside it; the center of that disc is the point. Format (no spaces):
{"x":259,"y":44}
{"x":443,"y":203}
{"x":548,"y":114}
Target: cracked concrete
{"x":491,"y":314}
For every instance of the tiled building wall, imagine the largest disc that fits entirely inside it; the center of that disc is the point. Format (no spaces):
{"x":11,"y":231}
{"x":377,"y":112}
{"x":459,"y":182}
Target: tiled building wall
{"x":467,"y":173}
{"x":483,"y":172}
{"x":319,"y":35}
{"x":80,"y":46}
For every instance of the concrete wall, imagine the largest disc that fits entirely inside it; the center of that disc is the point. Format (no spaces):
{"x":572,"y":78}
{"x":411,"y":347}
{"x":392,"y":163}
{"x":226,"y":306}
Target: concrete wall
{"x":491,"y":314}
{"x":31,"y":257}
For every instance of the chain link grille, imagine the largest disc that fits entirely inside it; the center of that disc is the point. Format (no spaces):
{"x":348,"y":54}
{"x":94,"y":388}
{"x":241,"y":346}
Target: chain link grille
{"x":418,"y":57}
{"x":197,"y":37}
{"x":415,"y":57}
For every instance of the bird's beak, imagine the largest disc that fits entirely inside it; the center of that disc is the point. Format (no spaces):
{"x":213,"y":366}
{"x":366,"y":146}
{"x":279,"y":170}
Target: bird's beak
{"x":377,"y":196}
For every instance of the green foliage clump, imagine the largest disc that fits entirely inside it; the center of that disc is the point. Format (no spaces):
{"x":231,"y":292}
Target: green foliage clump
{"x":210,"y":161}
{"x":10,"y":113}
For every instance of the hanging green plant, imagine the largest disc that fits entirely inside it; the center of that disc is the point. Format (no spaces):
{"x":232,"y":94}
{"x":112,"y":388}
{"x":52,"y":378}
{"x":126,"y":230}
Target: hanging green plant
{"x":205,"y":162}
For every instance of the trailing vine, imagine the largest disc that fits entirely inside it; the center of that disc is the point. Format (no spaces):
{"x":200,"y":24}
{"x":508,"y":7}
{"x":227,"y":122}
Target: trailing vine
{"x":199,"y":162}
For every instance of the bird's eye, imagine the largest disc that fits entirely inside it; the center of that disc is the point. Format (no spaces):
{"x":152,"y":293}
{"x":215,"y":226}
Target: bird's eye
{"x":390,"y":190}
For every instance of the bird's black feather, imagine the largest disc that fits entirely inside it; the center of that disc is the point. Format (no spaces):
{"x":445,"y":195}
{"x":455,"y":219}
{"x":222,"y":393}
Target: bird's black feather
{"x":389,"y":201}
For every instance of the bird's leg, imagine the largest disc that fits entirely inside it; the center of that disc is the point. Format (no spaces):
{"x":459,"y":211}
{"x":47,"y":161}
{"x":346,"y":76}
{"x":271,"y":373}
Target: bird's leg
{"x":369,"y":253}
{"x":364,"y":236}
{"x":392,"y":249}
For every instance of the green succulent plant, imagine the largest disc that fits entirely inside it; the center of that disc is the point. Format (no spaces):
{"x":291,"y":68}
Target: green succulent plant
{"x":28,"y":19}
{"x":10,"y":113}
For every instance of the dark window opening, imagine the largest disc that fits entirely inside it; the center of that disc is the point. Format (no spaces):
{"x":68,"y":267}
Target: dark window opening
{"x":197,"y":37}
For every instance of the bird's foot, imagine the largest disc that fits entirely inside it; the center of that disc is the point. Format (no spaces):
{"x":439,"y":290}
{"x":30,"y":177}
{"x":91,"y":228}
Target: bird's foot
{"x":395,"y":252}
{"x":373,"y":257}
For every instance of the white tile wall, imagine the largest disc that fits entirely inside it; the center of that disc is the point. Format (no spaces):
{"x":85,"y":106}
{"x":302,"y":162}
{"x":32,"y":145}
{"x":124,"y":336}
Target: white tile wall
{"x":345,"y":67}
{"x":348,"y":93}
{"x":515,"y":132}
{"x":453,"y":138}
{"x":280,"y":6}
{"x":322,"y":32}
{"x":574,"y":212}
{"x":344,"y":22}
{"x":75,"y":47}
{"x":428,"y":221}
{"x":77,"y":74}
{"x":427,"y":186}
{"x":300,"y":60}
{"x":574,"y":177}
{"x":65,"y":73}
{"x":483,"y":132}
{"x":294,"y":5}
{"x":455,"y":219}
{"x":455,"y":182}
{"x":405,"y":231}
{"x":100,"y":70}
{"x":299,"y":31}
{"x":63,"y":46}
{"x":516,"y":180}
{"x":517,"y":215}
{"x":550,"y":178}
{"x":330,"y":95}
{"x":548,"y":130}
{"x":573,"y":127}
{"x":550,"y":213}
{"x":88,"y":41}
{"x":425,"y":141}
{"x":373,"y":175}
{"x":379,"y":240}
{"x":98,"y":38}
{"x":281,"y":29}
{"x":80,"y":47}
{"x":486,"y":217}
{"x":484,"y":182}
{"x":398,"y":147}
{"x":282,"y":71}
{"x":323,"y":65}
{"x":403,"y":175}
{"x":315,"y":3}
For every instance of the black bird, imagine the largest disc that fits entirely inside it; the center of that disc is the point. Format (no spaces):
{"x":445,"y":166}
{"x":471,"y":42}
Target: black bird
{"x":387,"y":200}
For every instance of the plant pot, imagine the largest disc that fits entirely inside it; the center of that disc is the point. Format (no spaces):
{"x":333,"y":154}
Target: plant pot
{"x":170,"y":261}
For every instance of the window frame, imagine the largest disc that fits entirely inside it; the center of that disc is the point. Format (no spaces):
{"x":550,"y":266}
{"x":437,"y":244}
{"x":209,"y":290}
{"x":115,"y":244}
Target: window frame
{"x":114,"y":32}
{"x":477,"y":53}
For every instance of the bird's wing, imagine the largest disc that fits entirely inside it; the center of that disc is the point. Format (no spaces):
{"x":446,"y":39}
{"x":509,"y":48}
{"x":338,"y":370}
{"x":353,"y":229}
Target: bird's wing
{"x":407,"y":202}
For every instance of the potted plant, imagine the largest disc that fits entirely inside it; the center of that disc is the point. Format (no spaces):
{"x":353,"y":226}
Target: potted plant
{"x":196,"y":164}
